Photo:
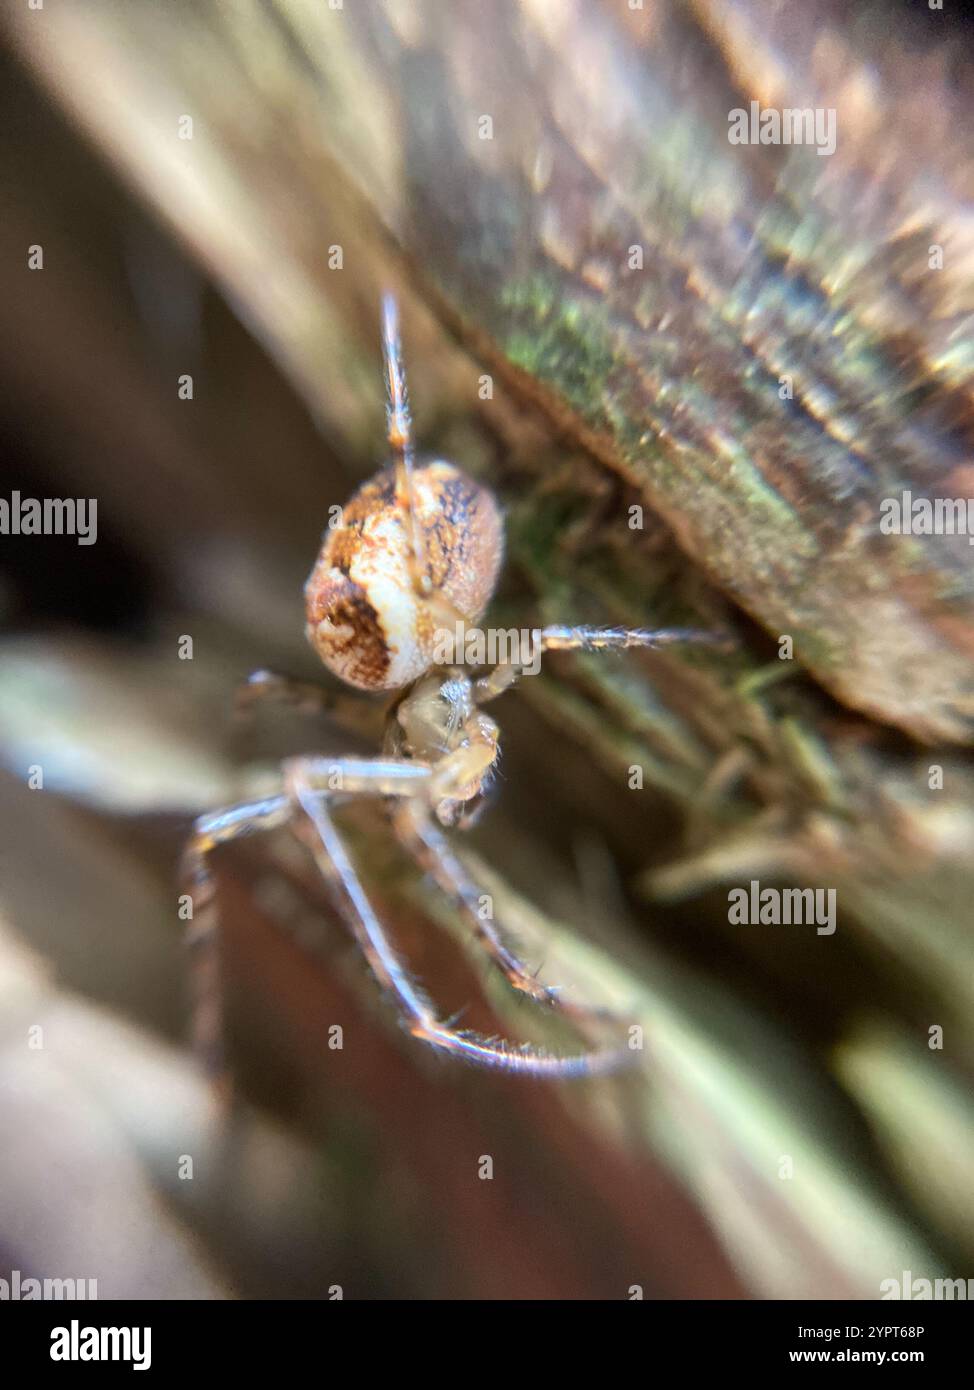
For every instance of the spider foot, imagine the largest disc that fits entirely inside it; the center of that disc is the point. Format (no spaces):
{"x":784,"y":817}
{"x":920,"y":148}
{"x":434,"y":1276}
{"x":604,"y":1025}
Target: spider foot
{"x":525,"y":1058}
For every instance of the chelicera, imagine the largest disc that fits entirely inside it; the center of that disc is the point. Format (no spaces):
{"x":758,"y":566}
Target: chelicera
{"x":418,"y":550}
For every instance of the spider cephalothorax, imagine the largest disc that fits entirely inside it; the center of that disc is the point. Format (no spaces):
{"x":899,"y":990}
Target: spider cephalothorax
{"x":440,"y":723}
{"x":417,"y":552}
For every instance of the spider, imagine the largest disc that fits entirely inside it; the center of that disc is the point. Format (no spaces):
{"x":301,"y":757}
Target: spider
{"x":417,"y":550}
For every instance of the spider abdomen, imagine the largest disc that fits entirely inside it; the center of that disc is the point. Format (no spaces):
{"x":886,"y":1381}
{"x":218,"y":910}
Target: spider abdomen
{"x":366,"y":617}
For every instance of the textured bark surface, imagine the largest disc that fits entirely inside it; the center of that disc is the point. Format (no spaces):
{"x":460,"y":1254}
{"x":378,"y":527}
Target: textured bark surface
{"x":614,"y":387}
{"x":608,"y":132}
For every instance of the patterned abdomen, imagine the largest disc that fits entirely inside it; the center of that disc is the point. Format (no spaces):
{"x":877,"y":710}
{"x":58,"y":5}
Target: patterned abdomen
{"x":365,"y":617}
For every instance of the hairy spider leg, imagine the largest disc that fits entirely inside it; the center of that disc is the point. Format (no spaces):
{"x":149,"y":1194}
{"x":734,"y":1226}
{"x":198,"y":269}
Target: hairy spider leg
{"x":203,"y":932}
{"x":422,"y":837}
{"x":203,"y":935}
{"x":399,"y":432}
{"x":592,"y":639}
{"x":303,"y":779}
{"x":349,"y":711}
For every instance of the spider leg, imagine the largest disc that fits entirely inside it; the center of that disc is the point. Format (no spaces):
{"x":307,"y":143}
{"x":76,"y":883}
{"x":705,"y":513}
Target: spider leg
{"x":399,"y":432}
{"x":270,"y":687}
{"x":387,"y":777}
{"x":203,"y":933}
{"x":592,"y":639}
{"x":407,"y":779}
{"x":418,"y":832}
